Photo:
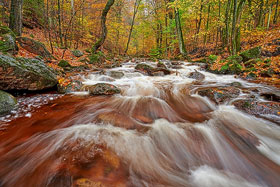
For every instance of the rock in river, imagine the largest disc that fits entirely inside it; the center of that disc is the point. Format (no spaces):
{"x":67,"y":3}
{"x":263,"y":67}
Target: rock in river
{"x":25,"y":74}
{"x":7,"y":103}
{"x":103,"y":89}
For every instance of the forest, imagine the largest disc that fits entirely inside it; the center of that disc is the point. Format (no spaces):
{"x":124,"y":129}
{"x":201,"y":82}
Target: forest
{"x":116,"y":93}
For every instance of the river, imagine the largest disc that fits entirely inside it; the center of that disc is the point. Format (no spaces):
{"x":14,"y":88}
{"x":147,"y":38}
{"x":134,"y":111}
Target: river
{"x":157,"y":132}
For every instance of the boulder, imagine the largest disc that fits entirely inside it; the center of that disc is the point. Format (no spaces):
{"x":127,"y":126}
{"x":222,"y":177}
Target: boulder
{"x":196,"y":75}
{"x":103,"y":89}
{"x":116,"y":74}
{"x":77,"y":53}
{"x":7,"y":103}
{"x":251,"y":54}
{"x":145,"y":68}
{"x":25,"y":74}
{"x":161,"y":65}
{"x":34,"y":47}
{"x":7,"y":41}
{"x":220,"y":95}
{"x":267,"y":110}
{"x":71,"y":87}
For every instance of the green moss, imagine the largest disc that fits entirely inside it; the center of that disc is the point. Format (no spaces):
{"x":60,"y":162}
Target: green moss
{"x":7,"y":102}
{"x":212,"y":59}
{"x":64,"y":64}
{"x":251,"y":54}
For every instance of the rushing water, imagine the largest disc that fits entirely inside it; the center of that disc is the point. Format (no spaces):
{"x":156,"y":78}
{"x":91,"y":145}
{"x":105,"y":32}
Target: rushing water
{"x":157,"y":132}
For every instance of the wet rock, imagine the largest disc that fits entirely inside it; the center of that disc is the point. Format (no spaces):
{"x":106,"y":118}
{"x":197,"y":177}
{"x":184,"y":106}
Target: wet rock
{"x":267,"y":73}
{"x":236,"y":84}
{"x":145,"y":68}
{"x":251,"y":54}
{"x":164,"y":70}
{"x":68,"y":88}
{"x":77,"y":53}
{"x":220,"y":95}
{"x":34,"y":47}
{"x":25,"y":74}
{"x":271,"y":96}
{"x":7,"y":103}
{"x":259,"y":108}
{"x":161,"y":65}
{"x":103,"y":89}
{"x":158,"y":73}
{"x":196,"y":75}
{"x":7,"y":41}
{"x":116,"y":74}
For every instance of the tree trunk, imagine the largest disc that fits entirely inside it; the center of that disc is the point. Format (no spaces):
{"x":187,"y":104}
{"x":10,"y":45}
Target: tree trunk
{"x":104,"y":31}
{"x":199,"y":21}
{"x":276,"y":12}
{"x":182,"y":47}
{"x":59,"y":23}
{"x":16,"y":17}
{"x":226,"y":30}
{"x":207,"y":25}
{"x":233,"y":29}
{"x":135,"y":10}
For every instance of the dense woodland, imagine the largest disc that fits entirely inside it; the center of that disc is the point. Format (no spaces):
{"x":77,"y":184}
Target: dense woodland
{"x":160,"y":28}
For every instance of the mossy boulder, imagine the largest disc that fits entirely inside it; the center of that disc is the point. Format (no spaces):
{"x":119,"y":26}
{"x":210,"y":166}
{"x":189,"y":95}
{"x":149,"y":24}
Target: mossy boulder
{"x":63,"y":64}
{"x":8,"y":41}
{"x":73,"y":86}
{"x":103,"y":89}
{"x":77,"y":53}
{"x":34,"y":47}
{"x":251,"y":54}
{"x":219,"y":95}
{"x":7,"y":103}
{"x":145,"y":68}
{"x":25,"y":74}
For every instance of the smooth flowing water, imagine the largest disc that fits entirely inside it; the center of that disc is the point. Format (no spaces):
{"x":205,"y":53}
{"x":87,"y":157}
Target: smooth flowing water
{"x":157,"y":132}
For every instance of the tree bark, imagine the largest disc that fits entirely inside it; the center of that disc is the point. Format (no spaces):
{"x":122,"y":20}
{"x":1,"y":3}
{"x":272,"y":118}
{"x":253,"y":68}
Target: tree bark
{"x":16,"y":17}
{"x":182,"y":47}
{"x":276,"y":12}
{"x":135,"y":10}
{"x":104,"y":31}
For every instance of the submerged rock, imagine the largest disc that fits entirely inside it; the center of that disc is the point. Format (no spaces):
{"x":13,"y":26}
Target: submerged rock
{"x":221,"y":94}
{"x":196,"y":75}
{"x":7,"y":103}
{"x":266,"y":110}
{"x":103,"y":89}
{"x":34,"y":47}
{"x":116,"y":74}
{"x":25,"y":74}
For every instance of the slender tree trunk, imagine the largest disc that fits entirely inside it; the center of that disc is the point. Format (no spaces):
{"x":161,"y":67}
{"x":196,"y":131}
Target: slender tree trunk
{"x":182,"y":47}
{"x":16,"y":17}
{"x":199,"y":21}
{"x":233,"y":29}
{"x":276,"y":12}
{"x":269,"y":17}
{"x":260,"y":17}
{"x":226,"y":30}
{"x":59,"y":23}
{"x":207,"y":25}
{"x":135,"y":10}
{"x":104,"y":31}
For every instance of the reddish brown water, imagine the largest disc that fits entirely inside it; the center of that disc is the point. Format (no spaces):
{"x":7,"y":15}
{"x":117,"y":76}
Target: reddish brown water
{"x":153,"y":134}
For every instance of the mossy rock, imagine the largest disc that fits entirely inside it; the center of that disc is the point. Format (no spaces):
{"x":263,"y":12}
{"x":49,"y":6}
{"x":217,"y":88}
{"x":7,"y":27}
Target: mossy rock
{"x":144,"y":68}
{"x":235,"y":58}
{"x":97,"y":58}
{"x":116,"y":74}
{"x":34,"y":47}
{"x":8,"y":42}
{"x":69,"y":88}
{"x":251,"y":54}
{"x":77,"y":53}
{"x":25,"y":74}
{"x":64,"y":64}
{"x":103,"y":89}
{"x":7,"y":103}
